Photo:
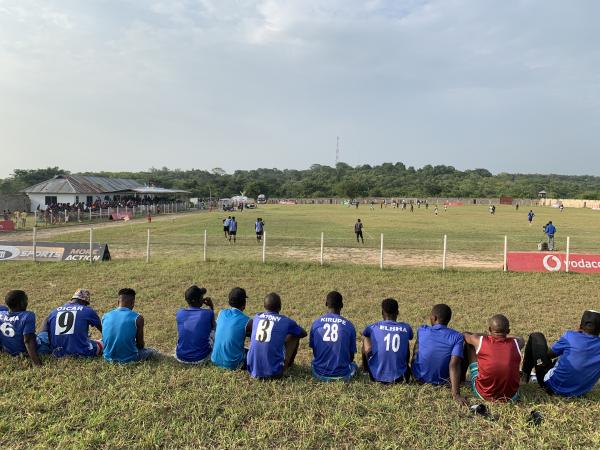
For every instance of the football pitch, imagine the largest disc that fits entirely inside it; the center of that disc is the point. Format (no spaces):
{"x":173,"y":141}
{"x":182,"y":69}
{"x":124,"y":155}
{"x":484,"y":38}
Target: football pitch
{"x":72,"y":403}
{"x":475,"y":238}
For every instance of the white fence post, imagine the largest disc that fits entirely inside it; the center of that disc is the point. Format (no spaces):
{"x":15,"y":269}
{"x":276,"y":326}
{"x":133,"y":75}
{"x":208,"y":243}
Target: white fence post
{"x":444,"y":253}
{"x":91,"y":244}
{"x":117,"y":212}
{"x":322,"y":245}
{"x":148,"y":246}
{"x":204,"y":246}
{"x":505,"y":266}
{"x":568,"y":257}
{"x":34,"y":239}
{"x":264,"y":249}
{"x":35,"y":218}
{"x":90,"y":213}
{"x":381,"y":254}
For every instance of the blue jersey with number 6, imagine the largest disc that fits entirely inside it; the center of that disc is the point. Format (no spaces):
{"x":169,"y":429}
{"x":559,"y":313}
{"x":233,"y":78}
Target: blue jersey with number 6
{"x":266,"y":356}
{"x":389,"y":354}
{"x":69,"y":327}
{"x":333,"y":340}
{"x":13,"y":326}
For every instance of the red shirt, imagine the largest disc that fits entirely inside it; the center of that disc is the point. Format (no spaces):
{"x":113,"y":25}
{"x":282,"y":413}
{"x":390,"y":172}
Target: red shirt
{"x":498,"y":362}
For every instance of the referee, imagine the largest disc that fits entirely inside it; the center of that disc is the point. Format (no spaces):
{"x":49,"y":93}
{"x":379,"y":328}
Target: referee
{"x":358,"y":227}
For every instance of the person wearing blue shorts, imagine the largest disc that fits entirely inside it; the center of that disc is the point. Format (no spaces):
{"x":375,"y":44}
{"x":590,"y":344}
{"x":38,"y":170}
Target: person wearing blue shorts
{"x":333,"y":342}
{"x":571,"y":367}
{"x":17,"y":327}
{"x":195,"y":328}
{"x":274,"y":341}
{"x":233,"y":326}
{"x":67,"y":328}
{"x":123,"y":332}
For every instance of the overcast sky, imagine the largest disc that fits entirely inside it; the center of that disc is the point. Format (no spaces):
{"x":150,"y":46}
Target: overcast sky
{"x":130,"y":84}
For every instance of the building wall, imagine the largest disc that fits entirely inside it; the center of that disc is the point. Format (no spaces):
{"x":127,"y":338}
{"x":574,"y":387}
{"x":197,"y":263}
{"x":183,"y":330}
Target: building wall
{"x":14,"y":202}
{"x":40,"y":199}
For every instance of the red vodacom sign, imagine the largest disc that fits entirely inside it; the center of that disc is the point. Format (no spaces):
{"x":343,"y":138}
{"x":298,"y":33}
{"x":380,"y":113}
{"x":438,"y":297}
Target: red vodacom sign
{"x":552,"y":262}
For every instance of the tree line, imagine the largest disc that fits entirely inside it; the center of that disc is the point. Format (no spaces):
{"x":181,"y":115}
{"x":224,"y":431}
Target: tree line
{"x":343,"y":180}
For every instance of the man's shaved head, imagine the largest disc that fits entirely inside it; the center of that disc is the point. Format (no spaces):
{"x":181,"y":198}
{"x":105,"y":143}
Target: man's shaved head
{"x":442,"y":312}
{"x":273,"y":302}
{"x":499,"y":324}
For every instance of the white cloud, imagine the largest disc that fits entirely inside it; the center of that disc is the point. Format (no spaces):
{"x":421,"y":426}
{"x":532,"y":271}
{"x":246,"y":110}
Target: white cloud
{"x":271,"y":83}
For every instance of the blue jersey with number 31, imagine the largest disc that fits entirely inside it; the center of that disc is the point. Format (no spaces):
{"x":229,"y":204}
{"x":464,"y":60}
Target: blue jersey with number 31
{"x":389,"y":354}
{"x":266,"y":356}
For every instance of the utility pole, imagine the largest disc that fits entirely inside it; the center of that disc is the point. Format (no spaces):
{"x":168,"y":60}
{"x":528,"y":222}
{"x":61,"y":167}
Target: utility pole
{"x":337,"y":151}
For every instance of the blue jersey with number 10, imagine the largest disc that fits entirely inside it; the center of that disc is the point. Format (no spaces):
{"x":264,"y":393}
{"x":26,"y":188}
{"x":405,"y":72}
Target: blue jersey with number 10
{"x":388,"y":360}
{"x":333,"y":340}
{"x":266,"y":356}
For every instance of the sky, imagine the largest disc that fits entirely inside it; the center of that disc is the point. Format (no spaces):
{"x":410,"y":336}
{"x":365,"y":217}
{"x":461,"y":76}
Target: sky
{"x":90,"y":85}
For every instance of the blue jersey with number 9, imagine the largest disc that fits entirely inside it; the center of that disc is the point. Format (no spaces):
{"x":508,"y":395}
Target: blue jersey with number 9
{"x":266,"y":356}
{"x":13,"y":326}
{"x":69,"y":327}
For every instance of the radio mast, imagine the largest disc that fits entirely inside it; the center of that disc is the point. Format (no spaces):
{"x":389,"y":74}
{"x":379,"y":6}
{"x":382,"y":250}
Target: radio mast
{"x":337,"y":151}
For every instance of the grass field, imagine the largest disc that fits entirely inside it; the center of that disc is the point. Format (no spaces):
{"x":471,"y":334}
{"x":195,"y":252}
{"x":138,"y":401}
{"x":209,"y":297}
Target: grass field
{"x":475,"y":238}
{"x":159,"y":404}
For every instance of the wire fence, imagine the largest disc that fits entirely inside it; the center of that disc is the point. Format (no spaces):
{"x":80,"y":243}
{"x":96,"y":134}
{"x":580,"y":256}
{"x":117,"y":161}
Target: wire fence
{"x":446,"y":251}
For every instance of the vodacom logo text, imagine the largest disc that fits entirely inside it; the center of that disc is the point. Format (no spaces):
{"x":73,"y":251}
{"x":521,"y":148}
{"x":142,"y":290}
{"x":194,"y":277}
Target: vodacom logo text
{"x":552,"y":263}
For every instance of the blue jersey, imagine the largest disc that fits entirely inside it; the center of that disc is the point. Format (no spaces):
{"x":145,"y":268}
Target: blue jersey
{"x":194,"y":326}
{"x":13,"y":327}
{"x":388,"y":360}
{"x":530,"y":216}
{"x":266,"y":356}
{"x":232,"y":225}
{"x":436,"y":344}
{"x":68,"y":330}
{"x":333,"y":341}
{"x":228,"y":349}
{"x":3,"y":308}
{"x":119,"y":330}
{"x":259,"y":226}
{"x":578,"y":368}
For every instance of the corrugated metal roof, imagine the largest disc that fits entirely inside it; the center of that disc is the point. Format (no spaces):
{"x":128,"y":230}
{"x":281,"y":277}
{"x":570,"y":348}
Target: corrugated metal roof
{"x":79,"y":184}
{"x":158,"y":190}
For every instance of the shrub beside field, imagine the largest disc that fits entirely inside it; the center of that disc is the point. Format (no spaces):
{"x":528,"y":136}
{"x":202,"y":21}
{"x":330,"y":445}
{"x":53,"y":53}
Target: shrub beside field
{"x":83,"y":403}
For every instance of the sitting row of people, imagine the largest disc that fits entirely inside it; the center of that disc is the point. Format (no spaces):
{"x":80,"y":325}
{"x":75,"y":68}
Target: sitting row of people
{"x":440,"y":356}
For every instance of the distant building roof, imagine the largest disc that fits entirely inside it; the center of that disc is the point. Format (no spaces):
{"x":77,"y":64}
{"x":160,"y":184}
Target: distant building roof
{"x":80,"y":184}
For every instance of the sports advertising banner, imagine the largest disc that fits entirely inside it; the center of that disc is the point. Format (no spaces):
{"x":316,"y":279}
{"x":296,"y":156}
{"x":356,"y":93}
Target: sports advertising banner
{"x":53,"y":251}
{"x":552,"y":262}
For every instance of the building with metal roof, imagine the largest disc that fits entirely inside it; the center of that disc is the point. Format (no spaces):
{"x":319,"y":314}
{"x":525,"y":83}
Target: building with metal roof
{"x":75,"y":189}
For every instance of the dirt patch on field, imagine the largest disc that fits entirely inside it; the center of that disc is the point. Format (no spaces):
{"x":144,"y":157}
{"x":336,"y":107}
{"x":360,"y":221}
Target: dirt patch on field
{"x":391,"y":258}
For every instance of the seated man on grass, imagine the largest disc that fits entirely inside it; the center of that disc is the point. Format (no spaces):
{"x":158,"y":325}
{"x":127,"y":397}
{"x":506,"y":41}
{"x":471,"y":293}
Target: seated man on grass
{"x":232,"y":328}
{"x":123,"y":332}
{"x":195,"y":328}
{"x":385,"y":351}
{"x":67,"y":328}
{"x":494,"y":361}
{"x":438,"y":352}
{"x":577,"y":369}
{"x":17,"y":328}
{"x":274,"y":341}
{"x":333,"y":341}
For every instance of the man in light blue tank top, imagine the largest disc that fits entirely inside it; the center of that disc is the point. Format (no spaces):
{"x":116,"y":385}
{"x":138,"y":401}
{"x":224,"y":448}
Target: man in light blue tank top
{"x":123,"y":332}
